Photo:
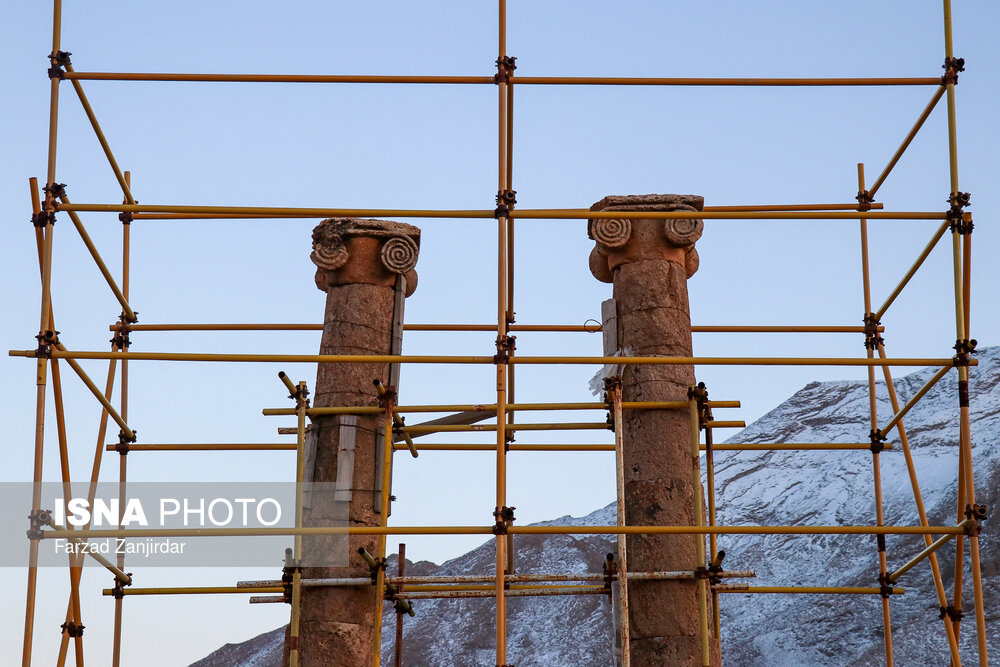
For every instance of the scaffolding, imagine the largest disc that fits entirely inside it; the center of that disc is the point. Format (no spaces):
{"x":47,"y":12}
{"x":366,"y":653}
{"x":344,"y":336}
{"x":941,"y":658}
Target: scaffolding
{"x":503,"y":584}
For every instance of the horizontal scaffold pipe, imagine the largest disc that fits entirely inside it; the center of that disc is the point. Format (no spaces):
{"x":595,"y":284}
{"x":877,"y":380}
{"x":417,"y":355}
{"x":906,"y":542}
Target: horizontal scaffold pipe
{"x":477,"y":447}
{"x":525,"y":80}
{"x":523,"y":214}
{"x":480,"y":407}
{"x":275,"y":78}
{"x":559,"y":328}
{"x":489,"y":578}
{"x":488,"y":530}
{"x":428,"y":359}
{"x":819,"y":590}
{"x":443,"y":595}
{"x":194,"y":590}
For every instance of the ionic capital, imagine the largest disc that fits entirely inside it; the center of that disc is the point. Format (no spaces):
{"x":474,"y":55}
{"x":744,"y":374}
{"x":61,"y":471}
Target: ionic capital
{"x":623,"y":240}
{"x":355,"y":250}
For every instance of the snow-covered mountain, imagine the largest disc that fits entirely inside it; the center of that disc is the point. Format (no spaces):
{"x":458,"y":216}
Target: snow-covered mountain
{"x":758,"y":488}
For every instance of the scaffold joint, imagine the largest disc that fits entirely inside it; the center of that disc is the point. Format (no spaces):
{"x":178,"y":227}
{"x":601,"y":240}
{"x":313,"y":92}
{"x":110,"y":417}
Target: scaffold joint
{"x":877,"y":440}
{"x":700,"y":394}
{"x":403,"y":607}
{"x":959,"y":221}
{"x":38,"y":519}
{"x":375,"y":565}
{"x":952,"y":66}
{"x":964,"y":348}
{"x":126,"y":216}
{"x":46,"y":339}
{"x":953,"y":614}
{"x":880,"y":540}
{"x":864,"y":200}
{"x":55,"y":190}
{"x":504,"y":517}
{"x":505,"y":203}
{"x":505,"y":69}
{"x":118,"y":590}
{"x":872,"y":338}
{"x":505,"y":348}
{"x":976,"y":513}
{"x":124,"y":441}
{"x":385,"y":394}
{"x":610,"y":569}
{"x":121,"y":339}
{"x":885,"y":585}
{"x":43,"y":218}
{"x":59,"y":60}
{"x":72,"y":629}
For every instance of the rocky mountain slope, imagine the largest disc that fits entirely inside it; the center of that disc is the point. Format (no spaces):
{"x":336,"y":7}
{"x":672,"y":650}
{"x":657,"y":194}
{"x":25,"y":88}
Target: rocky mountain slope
{"x":787,"y":488}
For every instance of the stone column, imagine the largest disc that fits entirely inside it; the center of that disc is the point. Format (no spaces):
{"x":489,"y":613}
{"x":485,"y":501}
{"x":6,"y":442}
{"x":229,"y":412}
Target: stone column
{"x":649,"y":262}
{"x":365,"y":267}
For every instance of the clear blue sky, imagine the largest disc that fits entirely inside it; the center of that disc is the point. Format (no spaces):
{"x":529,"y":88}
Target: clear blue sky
{"x":434,"y":147}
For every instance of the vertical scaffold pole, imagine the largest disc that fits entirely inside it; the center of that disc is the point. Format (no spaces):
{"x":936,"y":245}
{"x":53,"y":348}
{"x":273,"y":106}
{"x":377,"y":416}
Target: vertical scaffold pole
{"x":73,"y":612}
{"x":615,"y":391}
{"x":300,"y":467}
{"x":41,"y":366}
{"x":122,"y":345}
{"x":706,"y":659}
{"x":502,"y":327}
{"x":387,"y":451}
{"x":870,"y":345}
{"x":713,"y":540}
{"x":965,"y":437}
{"x":400,"y":572}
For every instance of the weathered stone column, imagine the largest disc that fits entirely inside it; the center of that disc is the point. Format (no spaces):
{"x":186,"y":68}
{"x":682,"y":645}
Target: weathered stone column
{"x":649,"y":262}
{"x":365,"y":267}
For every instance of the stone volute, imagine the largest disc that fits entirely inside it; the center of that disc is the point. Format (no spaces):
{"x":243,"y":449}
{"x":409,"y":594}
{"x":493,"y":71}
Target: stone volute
{"x":622,"y":240}
{"x":356,"y":250}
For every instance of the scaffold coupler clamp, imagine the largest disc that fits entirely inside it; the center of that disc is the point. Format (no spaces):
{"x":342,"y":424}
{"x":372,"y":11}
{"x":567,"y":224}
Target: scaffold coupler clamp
{"x":506,"y":345}
{"x":877,"y":440}
{"x":43,"y":218}
{"x":301,"y":395}
{"x":122,"y":329}
{"x":127,"y":216}
{"x":288,"y":575}
{"x":700,"y":394}
{"x":58,"y":61}
{"x":375,"y":565}
{"x":952,"y":613}
{"x":125,"y":441}
{"x":952,"y":66}
{"x":505,"y":69}
{"x":72,"y":629}
{"x":964,"y":348}
{"x":118,"y":590}
{"x":872,"y":338}
{"x":54,"y":191}
{"x":864,"y":200}
{"x":884,"y":585}
{"x":504,"y":517}
{"x":46,"y":341}
{"x":403,"y":606}
{"x":959,"y":220}
{"x":505,"y":203}
{"x":385,"y":394}
{"x":714,"y":569}
{"x":975,"y":513}
{"x":38,"y":519}
{"x":610,"y":569}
